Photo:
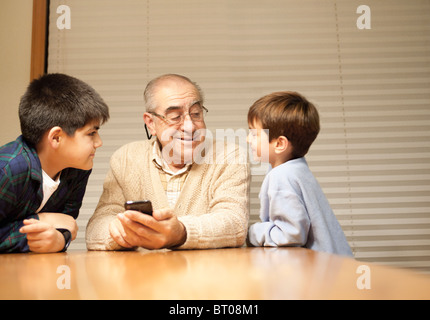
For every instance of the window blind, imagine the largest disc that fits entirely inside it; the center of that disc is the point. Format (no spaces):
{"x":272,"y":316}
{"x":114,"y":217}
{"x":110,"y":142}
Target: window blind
{"x":371,"y":87}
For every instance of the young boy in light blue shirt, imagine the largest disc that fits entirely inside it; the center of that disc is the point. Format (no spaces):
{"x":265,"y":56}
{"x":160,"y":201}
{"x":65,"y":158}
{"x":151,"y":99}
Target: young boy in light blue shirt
{"x":294,"y":210}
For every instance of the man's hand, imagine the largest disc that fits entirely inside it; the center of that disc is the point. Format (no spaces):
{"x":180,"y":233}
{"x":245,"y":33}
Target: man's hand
{"x":42,"y":237}
{"x":135,"y":229}
{"x":117,"y":233}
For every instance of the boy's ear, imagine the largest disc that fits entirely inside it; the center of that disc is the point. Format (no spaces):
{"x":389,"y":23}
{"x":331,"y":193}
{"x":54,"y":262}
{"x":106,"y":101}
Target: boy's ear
{"x":282,"y":144}
{"x":55,"y":135}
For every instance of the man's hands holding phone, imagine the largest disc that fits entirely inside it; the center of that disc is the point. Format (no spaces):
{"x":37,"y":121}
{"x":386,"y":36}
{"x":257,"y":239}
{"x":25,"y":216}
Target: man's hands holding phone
{"x":135,"y":229}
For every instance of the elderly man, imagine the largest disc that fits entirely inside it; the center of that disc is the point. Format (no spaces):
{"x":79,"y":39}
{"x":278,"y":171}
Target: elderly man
{"x":196,"y":204}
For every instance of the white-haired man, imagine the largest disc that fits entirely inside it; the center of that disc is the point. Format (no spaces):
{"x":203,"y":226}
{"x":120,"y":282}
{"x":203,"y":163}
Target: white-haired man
{"x":197,"y":204}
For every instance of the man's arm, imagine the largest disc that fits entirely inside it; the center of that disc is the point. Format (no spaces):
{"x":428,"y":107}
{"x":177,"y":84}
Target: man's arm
{"x":223,"y":225}
{"x":226,"y":222}
{"x":111,"y":203}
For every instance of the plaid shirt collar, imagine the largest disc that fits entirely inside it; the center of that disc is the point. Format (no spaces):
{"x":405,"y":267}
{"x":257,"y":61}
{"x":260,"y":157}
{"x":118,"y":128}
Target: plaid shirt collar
{"x":33,"y":160}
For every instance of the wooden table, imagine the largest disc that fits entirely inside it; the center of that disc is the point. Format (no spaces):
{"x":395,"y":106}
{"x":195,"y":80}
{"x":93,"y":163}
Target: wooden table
{"x":242,"y":273}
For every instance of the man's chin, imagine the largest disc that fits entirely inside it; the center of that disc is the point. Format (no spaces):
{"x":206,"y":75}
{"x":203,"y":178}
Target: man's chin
{"x":182,"y":151}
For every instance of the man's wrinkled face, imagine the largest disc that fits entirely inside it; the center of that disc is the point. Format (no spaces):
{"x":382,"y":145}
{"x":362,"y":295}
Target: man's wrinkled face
{"x":176,"y":120}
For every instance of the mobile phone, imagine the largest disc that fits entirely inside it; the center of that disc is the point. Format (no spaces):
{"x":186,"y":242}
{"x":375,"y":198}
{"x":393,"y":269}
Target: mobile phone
{"x":144,"y":206}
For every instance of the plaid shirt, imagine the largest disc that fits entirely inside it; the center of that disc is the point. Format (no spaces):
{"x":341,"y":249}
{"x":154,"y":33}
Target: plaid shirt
{"x":21,"y":192}
{"x":172,"y":181}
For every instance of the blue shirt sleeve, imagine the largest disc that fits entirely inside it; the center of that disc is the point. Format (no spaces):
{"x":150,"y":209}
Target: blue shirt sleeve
{"x":284,"y":219}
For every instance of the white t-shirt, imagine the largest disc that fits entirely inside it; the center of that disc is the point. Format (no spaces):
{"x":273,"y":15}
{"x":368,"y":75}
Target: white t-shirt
{"x":49,"y":187}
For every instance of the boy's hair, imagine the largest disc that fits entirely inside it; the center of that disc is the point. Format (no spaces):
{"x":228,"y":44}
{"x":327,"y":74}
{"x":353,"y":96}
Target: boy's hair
{"x":287,"y":114}
{"x":59,"y":100}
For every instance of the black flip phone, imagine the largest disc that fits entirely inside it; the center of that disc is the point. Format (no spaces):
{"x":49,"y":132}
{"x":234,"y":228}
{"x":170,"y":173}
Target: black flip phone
{"x":144,"y":206}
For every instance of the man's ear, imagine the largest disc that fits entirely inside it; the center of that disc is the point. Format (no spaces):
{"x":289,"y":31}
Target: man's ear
{"x":55,"y":136}
{"x":147,"y":118}
{"x":282,"y":144}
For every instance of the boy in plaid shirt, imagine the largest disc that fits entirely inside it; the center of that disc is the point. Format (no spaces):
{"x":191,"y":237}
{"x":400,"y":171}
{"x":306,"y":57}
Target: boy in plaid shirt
{"x":44,"y":172}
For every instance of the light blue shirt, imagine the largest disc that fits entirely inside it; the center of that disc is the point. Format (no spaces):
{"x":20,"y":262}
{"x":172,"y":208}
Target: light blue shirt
{"x":295,"y":212}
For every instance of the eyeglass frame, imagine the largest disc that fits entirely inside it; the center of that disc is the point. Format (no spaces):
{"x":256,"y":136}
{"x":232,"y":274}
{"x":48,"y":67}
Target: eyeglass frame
{"x":149,"y":136}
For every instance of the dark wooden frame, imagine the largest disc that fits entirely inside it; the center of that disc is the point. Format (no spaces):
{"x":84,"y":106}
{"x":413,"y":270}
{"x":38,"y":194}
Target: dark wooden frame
{"x":39,"y":38}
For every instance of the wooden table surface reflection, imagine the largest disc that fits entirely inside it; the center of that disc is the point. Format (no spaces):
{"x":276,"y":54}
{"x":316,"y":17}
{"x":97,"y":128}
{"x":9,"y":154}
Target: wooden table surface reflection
{"x":241,"y":273}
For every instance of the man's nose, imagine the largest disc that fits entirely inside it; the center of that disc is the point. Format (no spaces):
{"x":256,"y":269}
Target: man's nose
{"x":188,"y":125}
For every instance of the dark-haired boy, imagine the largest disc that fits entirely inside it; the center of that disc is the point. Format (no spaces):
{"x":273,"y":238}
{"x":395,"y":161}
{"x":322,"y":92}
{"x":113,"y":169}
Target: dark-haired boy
{"x":44,"y":172}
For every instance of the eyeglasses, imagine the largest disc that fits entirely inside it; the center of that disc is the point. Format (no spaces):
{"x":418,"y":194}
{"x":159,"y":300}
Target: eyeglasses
{"x":176,"y":117}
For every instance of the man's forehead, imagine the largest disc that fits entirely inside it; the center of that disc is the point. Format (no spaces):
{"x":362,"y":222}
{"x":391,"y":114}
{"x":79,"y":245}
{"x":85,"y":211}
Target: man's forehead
{"x":175,"y":85}
{"x":177,"y":94}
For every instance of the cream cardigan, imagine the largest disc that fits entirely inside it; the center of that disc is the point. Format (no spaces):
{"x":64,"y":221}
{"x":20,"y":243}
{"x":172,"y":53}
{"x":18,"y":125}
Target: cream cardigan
{"x":213,"y":204}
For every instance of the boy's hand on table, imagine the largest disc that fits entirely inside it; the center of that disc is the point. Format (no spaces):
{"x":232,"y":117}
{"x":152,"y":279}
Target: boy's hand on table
{"x":42,"y":237}
{"x":60,"y":221}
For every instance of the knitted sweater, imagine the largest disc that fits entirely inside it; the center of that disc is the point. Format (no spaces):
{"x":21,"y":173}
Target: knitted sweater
{"x":213,"y":204}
